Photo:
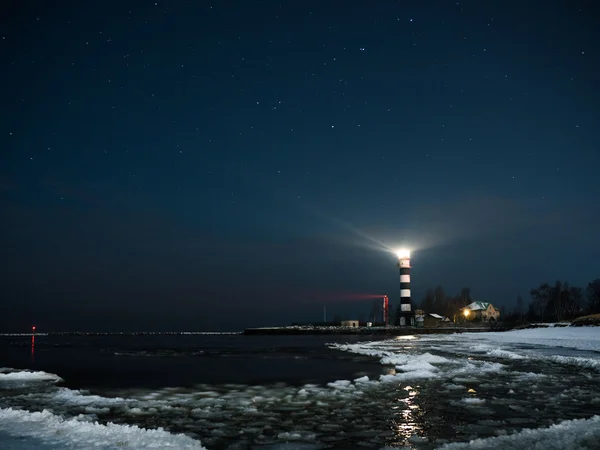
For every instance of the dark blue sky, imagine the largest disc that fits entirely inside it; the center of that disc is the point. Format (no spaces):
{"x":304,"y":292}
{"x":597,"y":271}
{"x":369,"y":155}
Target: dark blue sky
{"x":214,"y":165}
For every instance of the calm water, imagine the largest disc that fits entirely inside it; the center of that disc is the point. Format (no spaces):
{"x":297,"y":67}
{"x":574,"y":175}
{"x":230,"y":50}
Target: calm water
{"x":157,"y":361}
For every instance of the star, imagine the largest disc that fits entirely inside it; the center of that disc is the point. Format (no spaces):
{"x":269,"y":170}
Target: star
{"x":259,"y":89}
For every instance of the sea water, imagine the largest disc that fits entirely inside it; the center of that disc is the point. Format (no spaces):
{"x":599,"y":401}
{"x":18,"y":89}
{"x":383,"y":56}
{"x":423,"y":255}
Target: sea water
{"x":480,"y":390}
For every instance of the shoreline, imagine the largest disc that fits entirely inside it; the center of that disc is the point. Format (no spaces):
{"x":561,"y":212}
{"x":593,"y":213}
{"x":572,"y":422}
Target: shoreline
{"x":363,"y":331}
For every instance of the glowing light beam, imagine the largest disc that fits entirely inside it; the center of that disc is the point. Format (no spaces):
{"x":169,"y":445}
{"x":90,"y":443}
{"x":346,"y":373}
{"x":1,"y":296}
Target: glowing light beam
{"x":403,"y":253}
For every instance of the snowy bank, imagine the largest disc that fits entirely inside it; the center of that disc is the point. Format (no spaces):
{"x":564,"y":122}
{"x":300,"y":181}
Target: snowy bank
{"x":46,"y":430}
{"x":581,"y":338}
{"x":583,"y":434}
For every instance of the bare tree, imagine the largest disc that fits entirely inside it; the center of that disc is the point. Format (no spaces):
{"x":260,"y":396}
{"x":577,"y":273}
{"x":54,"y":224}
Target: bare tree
{"x":540,"y":298}
{"x":575,"y":305}
{"x":456,"y":303}
{"x":436,"y":301}
{"x":376,"y":309}
{"x":439,"y":298}
{"x":465,"y":296}
{"x":593,"y":296}
{"x":427,"y":304}
{"x":520,"y":311}
{"x":559,"y":296}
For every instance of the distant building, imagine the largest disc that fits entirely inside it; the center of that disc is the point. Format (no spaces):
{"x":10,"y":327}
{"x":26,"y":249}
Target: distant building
{"x":483,"y":311}
{"x":435,"y":320}
{"x":419,"y":318}
{"x":350,"y":323}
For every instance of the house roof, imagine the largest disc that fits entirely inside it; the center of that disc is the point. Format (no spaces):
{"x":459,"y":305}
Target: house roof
{"x":437,"y":316}
{"x":479,"y":306}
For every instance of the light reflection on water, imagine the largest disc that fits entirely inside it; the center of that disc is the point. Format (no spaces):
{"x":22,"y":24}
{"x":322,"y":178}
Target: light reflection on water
{"x":513,"y":394}
{"x":407,"y":422}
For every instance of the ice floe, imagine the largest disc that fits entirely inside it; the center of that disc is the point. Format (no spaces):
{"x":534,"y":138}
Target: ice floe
{"x":465,"y":387}
{"x":46,"y":430}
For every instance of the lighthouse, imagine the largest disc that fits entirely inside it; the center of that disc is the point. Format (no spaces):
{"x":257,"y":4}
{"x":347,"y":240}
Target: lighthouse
{"x":407,"y":317}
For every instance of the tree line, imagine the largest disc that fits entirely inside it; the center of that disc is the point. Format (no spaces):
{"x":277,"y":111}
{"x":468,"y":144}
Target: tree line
{"x":437,"y":301}
{"x":560,"y":301}
{"x":553,"y":303}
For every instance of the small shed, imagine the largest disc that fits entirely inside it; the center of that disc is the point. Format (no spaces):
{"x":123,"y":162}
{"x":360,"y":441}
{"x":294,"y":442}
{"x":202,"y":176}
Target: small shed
{"x":434,"y":320}
{"x":350,"y":323}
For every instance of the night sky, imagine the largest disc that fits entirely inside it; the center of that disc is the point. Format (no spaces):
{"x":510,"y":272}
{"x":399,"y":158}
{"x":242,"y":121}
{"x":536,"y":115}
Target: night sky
{"x":210,"y":165}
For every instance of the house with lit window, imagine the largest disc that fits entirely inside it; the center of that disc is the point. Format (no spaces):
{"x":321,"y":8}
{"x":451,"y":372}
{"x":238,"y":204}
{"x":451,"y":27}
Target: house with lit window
{"x":482,"y":311}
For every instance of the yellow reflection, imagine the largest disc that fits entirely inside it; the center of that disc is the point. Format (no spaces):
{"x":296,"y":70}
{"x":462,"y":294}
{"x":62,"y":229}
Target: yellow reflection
{"x":405,"y":422}
{"x":409,"y":337}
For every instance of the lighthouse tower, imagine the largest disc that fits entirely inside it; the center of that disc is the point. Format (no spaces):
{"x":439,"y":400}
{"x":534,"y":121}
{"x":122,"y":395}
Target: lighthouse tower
{"x":407,"y":316}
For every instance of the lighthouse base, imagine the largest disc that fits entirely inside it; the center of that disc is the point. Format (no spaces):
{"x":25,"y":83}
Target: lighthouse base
{"x":406,"y":319}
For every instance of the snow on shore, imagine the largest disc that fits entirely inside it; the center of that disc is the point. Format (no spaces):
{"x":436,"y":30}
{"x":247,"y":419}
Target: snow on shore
{"x":581,"y":338}
{"x":582,"y":434}
{"x":45,"y":430}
